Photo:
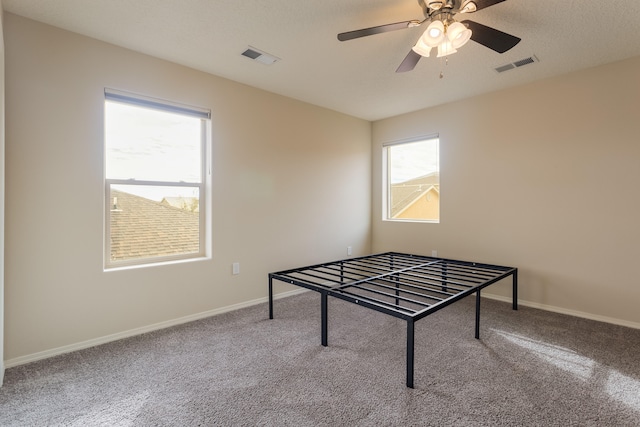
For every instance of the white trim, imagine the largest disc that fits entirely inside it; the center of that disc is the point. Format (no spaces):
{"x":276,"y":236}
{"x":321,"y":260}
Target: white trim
{"x":386,"y":175}
{"x":193,"y":317}
{"x":138,"y":331}
{"x":131,"y":98}
{"x":140,"y":101}
{"x":412,"y":139}
{"x":568,"y":312}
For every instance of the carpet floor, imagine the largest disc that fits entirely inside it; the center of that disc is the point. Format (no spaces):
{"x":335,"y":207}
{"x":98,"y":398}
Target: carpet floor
{"x":530,"y":367}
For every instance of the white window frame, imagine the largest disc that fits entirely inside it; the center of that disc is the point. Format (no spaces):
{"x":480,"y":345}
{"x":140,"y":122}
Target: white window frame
{"x":386,"y":180}
{"x":203,"y":186}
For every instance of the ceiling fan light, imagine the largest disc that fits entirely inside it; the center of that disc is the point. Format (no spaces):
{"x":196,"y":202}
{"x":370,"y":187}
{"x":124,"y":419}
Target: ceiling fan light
{"x":446,"y":48}
{"x":434,"y":34}
{"x":435,"y":4}
{"x":458,"y":34}
{"x":462,"y":39}
{"x":421,"y":48}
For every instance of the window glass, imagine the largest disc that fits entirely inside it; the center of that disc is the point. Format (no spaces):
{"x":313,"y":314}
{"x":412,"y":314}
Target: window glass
{"x":149,"y":144}
{"x":154,"y":181}
{"x":412,"y":180}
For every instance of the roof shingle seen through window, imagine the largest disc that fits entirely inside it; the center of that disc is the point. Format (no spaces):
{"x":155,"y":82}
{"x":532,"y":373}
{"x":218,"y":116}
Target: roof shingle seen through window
{"x":143,"y":228}
{"x":405,"y":193}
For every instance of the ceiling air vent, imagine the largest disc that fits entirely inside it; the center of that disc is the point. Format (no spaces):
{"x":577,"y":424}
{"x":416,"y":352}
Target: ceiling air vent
{"x":260,"y":56}
{"x":521,"y":63}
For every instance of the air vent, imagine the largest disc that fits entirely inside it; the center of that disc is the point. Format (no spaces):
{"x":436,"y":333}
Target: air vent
{"x":517,"y":64}
{"x":504,"y":68}
{"x":260,"y":56}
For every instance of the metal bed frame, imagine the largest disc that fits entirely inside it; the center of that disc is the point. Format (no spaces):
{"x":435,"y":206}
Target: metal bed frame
{"x":405,"y":286}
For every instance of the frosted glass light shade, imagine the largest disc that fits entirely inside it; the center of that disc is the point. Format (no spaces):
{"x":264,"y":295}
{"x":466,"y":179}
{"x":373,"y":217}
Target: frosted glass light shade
{"x":445,"y":48}
{"x":421,"y":48}
{"x":458,"y":34}
{"x":434,"y":34}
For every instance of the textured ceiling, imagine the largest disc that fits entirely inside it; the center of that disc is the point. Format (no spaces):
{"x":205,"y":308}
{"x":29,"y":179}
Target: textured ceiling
{"x":356,"y":77}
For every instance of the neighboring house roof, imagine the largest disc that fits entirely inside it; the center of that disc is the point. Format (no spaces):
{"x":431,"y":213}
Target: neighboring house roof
{"x":142,"y":228}
{"x":403,"y":194}
{"x":185,"y":203}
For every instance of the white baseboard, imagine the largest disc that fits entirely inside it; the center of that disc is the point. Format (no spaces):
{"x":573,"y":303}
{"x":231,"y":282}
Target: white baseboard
{"x":574,"y":313}
{"x":137,"y":331}
{"x":186,"y":319}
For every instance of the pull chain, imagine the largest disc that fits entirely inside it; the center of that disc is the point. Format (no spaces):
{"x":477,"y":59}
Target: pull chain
{"x":446,"y":62}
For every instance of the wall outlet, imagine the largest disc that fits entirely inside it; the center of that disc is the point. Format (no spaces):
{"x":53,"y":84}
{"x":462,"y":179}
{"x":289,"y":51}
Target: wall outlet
{"x":349,"y":250}
{"x":434,"y":252}
{"x":235,"y":268}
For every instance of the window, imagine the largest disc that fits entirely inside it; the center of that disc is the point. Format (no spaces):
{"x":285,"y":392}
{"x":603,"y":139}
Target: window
{"x":412,"y":180}
{"x":155,"y":180}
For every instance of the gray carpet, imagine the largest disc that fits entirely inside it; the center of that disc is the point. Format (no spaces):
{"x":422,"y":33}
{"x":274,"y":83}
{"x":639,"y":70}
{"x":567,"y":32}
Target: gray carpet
{"x":530,"y":368}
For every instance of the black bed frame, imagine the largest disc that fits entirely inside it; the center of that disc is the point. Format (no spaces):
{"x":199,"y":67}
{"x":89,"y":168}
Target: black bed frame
{"x":405,"y":286}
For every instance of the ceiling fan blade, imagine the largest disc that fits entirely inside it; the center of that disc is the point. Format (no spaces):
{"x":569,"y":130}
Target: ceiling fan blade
{"x":482,"y":4}
{"x":409,"y":63}
{"x":491,"y":38}
{"x":349,"y":35}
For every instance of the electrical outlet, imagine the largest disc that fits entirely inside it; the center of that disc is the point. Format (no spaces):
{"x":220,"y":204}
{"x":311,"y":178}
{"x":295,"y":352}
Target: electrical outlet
{"x":349,"y":250}
{"x":434,"y":253}
{"x":235,"y":268}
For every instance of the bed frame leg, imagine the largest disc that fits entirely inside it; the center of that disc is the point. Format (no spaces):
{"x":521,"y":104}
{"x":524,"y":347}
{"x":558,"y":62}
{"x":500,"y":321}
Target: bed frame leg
{"x":515,"y":290}
{"x":270,"y":297}
{"x":323,"y":316}
{"x":478,"y":314}
{"x":410,"y":352}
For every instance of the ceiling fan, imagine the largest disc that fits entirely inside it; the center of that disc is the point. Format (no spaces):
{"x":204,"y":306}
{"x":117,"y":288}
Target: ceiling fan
{"x":444,"y":32}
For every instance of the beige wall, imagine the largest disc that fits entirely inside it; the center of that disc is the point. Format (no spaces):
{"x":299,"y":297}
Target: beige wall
{"x":291,"y":186}
{"x":523,"y":173}
{"x":2,"y":179}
